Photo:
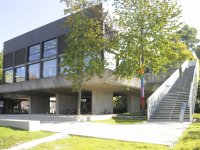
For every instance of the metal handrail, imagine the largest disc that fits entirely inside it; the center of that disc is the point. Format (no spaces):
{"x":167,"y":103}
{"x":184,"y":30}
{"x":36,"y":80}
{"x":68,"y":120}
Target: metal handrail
{"x":154,"y":99}
{"x":193,"y":89}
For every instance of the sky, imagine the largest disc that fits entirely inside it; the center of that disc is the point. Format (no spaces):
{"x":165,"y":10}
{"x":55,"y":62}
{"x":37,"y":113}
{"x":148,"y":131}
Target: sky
{"x":20,"y":16}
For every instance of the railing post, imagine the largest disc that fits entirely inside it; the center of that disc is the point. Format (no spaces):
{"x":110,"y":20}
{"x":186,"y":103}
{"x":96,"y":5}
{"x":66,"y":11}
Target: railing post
{"x":182,"y":113}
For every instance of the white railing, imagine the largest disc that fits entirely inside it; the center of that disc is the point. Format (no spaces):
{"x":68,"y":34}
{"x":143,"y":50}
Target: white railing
{"x":155,"y":98}
{"x":193,"y":88}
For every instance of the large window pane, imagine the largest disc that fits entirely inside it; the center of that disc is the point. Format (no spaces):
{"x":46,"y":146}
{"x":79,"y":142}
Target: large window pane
{"x":34,"y":53}
{"x":49,"y":68}
{"x":20,"y":74}
{"x":9,"y":76}
{"x":34,"y":71}
{"x":50,"y":48}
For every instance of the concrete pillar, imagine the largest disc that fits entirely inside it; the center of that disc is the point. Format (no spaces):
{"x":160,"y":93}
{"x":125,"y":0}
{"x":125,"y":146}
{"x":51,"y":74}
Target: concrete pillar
{"x":29,"y":101}
{"x":101,"y":101}
{"x":39,"y":104}
{"x":133,"y":104}
{"x":66,"y":104}
{"x":57,"y":104}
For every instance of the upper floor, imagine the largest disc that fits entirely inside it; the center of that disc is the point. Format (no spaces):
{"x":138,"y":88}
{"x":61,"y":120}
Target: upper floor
{"x":38,"y":54}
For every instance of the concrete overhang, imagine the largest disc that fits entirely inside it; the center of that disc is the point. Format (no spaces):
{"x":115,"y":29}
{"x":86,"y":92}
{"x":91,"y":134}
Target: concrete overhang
{"x":60,"y":84}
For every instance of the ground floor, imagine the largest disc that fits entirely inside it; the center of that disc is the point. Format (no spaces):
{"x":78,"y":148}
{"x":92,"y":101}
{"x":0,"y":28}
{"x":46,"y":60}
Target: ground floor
{"x":92,"y":102}
{"x":54,"y":95}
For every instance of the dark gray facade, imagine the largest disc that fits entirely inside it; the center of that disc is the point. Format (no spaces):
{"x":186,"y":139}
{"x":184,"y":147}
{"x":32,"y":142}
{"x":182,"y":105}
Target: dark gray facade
{"x":44,"y":33}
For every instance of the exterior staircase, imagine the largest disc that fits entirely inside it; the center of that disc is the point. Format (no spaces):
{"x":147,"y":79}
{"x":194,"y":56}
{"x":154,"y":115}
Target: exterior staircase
{"x":169,"y":107}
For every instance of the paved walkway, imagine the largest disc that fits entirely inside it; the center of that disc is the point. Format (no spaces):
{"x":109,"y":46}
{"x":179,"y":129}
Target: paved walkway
{"x":166,"y":133}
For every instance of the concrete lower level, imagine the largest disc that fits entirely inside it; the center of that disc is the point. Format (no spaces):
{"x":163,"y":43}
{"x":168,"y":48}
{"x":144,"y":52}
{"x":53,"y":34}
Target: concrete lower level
{"x":97,"y":95}
{"x":95,"y":102}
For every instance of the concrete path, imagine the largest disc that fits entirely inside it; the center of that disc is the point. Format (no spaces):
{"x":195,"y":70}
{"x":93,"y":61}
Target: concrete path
{"x":166,"y":133}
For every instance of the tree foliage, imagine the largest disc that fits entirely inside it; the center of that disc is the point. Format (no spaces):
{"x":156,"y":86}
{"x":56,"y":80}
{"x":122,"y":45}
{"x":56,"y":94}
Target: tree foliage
{"x":197,"y":50}
{"x":85,"y":43}
{"x":147,"y":33}
{"x":188,"y":35}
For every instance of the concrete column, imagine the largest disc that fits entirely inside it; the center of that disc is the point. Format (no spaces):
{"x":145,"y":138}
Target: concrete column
{"x":29,"y":101}
{"x":39,"y":104}
{"x":66,"y":104}
{"x":101,"y":101}
{"x":57,"y":104}
{"x":133,"y":104}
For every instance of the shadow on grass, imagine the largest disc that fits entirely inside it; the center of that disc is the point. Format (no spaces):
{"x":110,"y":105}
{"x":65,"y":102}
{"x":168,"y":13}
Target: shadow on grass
{"x":127,"y":121}
{"x":133,"y":114}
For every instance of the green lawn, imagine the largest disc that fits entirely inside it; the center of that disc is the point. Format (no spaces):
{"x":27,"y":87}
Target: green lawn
{"x":10,"y":137}
{"x":119,"y":121}
{"x":190,"y":140}
{"x":84,"y":143}
{"x":196,"y":115}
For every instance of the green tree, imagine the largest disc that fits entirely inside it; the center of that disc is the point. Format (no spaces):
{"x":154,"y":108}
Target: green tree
{"x":1,"y":66}
{"x":85,"y":43}
{"x":197,"y":50}
{"x":146,"y":33}
{"x":188,"y":35}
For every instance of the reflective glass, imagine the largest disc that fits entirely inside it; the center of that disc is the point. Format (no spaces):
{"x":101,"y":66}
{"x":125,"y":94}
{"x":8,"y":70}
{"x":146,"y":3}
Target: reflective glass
{"x":20,"y":74}
{"x":50,"y":48}
{"x":34,"y":53}
{"x":34,"y":71}
{"x":49,"y":68}
{"x":9,"y":76}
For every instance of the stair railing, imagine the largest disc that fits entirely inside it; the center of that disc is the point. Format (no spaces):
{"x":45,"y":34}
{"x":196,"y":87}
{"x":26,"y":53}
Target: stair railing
{"x":154,"y":99}
{"x":193,"y":88}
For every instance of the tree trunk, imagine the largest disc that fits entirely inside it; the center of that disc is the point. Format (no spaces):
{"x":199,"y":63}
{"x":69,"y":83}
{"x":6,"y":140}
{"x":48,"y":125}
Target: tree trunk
{"x":79,"y":102}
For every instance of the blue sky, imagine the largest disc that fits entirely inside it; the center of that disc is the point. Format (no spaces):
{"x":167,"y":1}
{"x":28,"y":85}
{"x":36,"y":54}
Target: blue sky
{"x":20,"y":16}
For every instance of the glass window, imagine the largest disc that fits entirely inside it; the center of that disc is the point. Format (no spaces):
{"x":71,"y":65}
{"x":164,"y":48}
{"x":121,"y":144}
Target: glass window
{"x":20,"y":74}
{"x":50,"y":48}
{"x":34,"y":71}
{"x":49,"y":68}
{"x":110,"y":59}
{"x":9,"y":76}
{"x":34,"y":53}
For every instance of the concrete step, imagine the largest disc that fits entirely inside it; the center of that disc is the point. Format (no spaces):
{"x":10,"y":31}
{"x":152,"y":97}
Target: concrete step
{"x":168,"y":120}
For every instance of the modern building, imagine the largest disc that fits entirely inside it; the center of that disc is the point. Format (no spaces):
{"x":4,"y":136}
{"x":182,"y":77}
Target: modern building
{"x":34,"y":82}
{"x":32,"y":74}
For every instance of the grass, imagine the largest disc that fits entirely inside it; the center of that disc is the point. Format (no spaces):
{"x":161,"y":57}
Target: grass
{"x":190,"y":140}
{"x":119,"y":121}
{"x":196,"y":115}
{"x":84,"y":143}
{"x":10,"y":137}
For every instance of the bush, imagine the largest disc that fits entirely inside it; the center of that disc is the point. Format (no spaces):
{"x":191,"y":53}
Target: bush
{"x":197,"y":105}
{"x":120,"y":104}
